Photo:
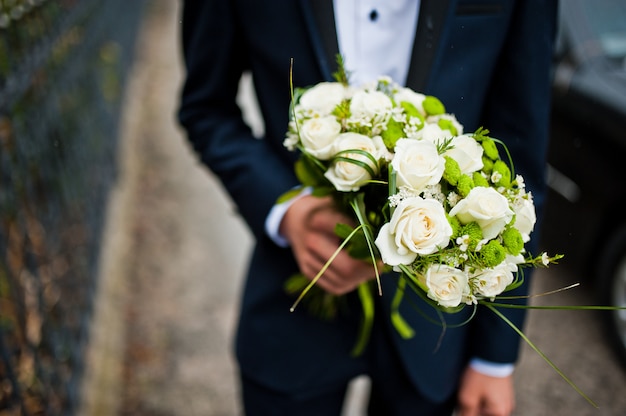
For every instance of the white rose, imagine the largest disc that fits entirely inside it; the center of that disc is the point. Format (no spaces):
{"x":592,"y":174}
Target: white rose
{"x":492,"y":282}
{"x":318,"y":135}
{"x":525,"y":217}
{"x":487,"y":207}
{"x":370,"y":105}
{"x":411,"y":97}
{"x":417,"y":227}
{"x":433,"y":133}
{"x":323,"y":98}
{"x":512,"y":262}
{"x":446,"y":285}
{"x":467,"y":153}
{"x":347,"y":176}
{"x":417,"y":163}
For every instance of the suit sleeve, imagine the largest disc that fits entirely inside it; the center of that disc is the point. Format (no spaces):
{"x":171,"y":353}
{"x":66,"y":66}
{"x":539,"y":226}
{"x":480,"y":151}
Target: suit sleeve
{"x":517,"y":109}
{"x":215,"y":54}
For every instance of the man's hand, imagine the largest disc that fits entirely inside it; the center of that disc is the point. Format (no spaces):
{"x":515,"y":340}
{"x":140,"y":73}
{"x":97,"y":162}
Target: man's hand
{"x":309,"y":226}
{"x":483,"y":395}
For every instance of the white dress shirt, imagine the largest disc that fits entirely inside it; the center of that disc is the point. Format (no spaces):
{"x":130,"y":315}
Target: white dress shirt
{"x":369,"y":39}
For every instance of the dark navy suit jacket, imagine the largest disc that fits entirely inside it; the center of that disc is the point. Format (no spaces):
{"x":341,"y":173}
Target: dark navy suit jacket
{"x":487,"y":60}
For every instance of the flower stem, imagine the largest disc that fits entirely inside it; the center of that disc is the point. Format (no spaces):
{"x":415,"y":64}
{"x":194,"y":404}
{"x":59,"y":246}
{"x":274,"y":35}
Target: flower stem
{"x":541,"y":354}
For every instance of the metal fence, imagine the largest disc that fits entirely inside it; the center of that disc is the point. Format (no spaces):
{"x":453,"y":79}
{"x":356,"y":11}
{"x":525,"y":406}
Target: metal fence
{"x":62,"y":72}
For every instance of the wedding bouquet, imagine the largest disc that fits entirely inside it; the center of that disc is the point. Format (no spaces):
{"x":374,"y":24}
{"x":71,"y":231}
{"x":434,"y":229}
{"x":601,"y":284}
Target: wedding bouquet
{"x":441,"y":207}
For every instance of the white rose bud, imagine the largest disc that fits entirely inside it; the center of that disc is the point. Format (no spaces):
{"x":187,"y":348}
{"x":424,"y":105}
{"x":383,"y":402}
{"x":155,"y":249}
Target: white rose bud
{"x":433,"y":133}
{"x":446,"y":285}
{"x":513,"y":261}
{"x":467,"y":153}
{"x":492,"y":282}
{"x":448,"y":120}
{"x":347,"y":176}
{"x":417,"y":227}
{"x":417,"y":163}
{"x":487,"y":207}
{"x":322,"y":98}
{"x":525,"y":217}
{"x":318,"y":135}
{"x":370,"y":105}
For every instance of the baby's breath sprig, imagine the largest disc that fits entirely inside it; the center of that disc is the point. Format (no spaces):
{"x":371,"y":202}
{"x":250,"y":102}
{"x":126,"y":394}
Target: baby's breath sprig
{"x":542,"y":260}
{"x":341,"y":75}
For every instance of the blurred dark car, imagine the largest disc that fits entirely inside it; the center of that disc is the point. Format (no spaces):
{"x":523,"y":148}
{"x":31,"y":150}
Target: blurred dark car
{"x":585,"y":216}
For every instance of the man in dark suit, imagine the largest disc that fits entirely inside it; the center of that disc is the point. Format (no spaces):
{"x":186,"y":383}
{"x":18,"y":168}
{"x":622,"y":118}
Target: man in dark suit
{"x":488,"y":61}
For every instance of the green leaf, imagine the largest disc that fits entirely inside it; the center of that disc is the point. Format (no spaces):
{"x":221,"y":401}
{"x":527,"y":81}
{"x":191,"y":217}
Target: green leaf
{"x":320,"y":191}
{"x":311,"y":283}
{"x":318,"y":303}
{"x":309,"y":172}
{"x":341,"y":75}
{"x":494,"y":309}
{"x":343,"y":231}
{"x":403,"y":328}
{"x":366,"y":166}
{"x":367,"y":304}
{"x":289,"y":195}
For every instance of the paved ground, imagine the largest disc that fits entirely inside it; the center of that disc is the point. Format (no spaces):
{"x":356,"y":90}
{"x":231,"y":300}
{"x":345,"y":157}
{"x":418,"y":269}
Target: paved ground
{"x":174,"y":256}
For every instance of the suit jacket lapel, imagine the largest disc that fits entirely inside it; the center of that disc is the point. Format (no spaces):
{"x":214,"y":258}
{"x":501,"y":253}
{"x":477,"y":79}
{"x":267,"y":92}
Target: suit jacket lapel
{"x":320,"y":20}
{"x":432,"y":19}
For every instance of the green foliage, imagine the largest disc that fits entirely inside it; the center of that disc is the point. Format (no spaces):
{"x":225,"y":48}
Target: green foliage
{"x":481,"y":134}
{"x":490,"y":149}
{"x":309,"y":171}
{"x":505,"y":173}
{"x":446,"y":124}
{"x":411,"y":111}
{"x":492,"y":253}
{"x":289,"y":195}
{"x":392,"y":133}
{"x":341,"y":75}
{"x":512,"y":241}
{"x":342,"y":110}
{"x":433,"y":106}
{"x":357,"y":246}
{"x":319,"y":303}
{"x":487,"y":166}
{"x":474,"y":232}
{"x":465,"y":185}
{"x":480,"y":180}
{"x":452,"y":171}
{"x":456,"y":226}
